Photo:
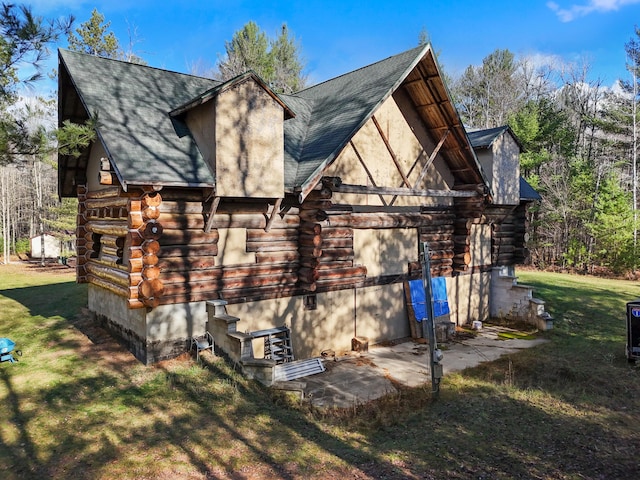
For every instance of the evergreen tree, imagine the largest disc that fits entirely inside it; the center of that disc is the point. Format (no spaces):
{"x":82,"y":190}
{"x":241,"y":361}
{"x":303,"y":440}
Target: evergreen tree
{"x":24,"y":41}
{"x":487,"y":95}
{"x":93,"y":37}
{"x":247,"y":50}
{"x":287,"y":76}
{"x":277,"y":61}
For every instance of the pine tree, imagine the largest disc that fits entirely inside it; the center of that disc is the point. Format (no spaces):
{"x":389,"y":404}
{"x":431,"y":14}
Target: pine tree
{"x":247,"y":50}
{"x":287,"y":76}
{"x":94,"y":38}
{"x":24,"y":40}
{"x":277,"y":61}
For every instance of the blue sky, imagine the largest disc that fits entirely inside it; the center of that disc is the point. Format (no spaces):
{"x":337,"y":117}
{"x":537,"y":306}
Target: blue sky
{"x":339,"y":36}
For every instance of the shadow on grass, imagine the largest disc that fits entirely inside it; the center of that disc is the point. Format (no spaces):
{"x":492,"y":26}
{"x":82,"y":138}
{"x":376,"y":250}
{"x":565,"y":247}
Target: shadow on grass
{"x":58,"y":299}
{"x":104,"y":420}
{"x":98,"y":418}
{"x":221,"y":434}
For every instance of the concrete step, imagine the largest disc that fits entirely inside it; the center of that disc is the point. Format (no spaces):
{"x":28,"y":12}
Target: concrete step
{"x":545,"y":321}
{"x":537,"y":305}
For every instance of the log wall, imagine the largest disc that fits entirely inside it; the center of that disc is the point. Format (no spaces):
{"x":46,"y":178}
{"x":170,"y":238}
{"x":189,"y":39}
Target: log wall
{"x":508,"y":239}
{"x":117,"y":237}
{"x":188,"y":256}
{"x":153,"y":248}
{"x":468,"y":211}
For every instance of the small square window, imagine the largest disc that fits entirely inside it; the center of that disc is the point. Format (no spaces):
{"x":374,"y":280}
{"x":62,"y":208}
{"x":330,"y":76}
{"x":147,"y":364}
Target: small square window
{"x":310,"y":302}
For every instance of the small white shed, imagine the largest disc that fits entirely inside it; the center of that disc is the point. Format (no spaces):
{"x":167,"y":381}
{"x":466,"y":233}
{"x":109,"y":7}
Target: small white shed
{"x":51,"y":246}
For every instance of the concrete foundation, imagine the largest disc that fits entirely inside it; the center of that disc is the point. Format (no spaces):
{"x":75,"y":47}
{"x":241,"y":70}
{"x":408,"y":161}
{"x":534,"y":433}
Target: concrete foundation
{"x":377,"y":313}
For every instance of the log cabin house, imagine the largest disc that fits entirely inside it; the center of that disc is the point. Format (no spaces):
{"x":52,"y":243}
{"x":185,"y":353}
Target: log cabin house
{"x":303,"y":210}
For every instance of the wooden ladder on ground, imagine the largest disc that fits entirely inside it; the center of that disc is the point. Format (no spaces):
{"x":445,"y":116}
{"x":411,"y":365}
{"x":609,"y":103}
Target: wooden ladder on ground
{"x":277,"y":345}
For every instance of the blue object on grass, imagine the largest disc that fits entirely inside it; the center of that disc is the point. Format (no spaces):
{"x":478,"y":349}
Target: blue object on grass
{"x":6,"y":347}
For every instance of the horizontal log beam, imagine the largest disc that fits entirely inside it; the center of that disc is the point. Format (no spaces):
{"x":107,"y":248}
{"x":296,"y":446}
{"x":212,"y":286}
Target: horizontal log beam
{"x":104,"y":193}
{"x":336,"y":232}
{"x":115,"y":228}
{"x":186,"y":263}
{"x":436,"y":229}
{"x":172,"y":236}
{"x":229,"y":284}
{"x":112,"y":241}
{"x":335,"y":254}
{"x":120,"y":290}
{"x":329,"y":243}
{"x":221,"y":220}
{"x":205,"y":249}
{"x":273,"y":246}
{"x":373,"y":220}
{"x":407,"y":192}
{"x":329,"y":265}
{"x":277,"y":257}
{"x":343,"y":272}
{"x":112,"y":275}
{"x":108,"y":202}
{"x":259,"y":235}
{"x":235,"y":296}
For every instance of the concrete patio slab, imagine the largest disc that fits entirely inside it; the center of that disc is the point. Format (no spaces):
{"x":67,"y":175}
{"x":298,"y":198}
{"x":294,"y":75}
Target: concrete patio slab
{"x":358,"y":378}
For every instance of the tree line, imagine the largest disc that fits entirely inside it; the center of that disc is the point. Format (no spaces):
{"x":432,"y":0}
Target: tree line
{"x":579,"y":137}
{"x":580,"y":142}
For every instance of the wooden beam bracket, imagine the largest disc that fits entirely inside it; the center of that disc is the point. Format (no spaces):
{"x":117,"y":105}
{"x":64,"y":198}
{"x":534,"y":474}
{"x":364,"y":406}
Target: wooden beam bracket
{"x":366,"y":169}
{"x":431,"y":158}
{"x":212,"y":212}
{"x":391,"y":152}
{"x":274,"y":212}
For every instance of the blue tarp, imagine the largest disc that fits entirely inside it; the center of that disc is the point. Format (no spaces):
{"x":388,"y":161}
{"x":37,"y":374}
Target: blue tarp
{"x":438,"y":292}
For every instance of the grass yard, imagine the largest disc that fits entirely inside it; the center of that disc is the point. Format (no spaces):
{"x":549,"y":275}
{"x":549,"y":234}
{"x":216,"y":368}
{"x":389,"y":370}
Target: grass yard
{"x":77,"y":406}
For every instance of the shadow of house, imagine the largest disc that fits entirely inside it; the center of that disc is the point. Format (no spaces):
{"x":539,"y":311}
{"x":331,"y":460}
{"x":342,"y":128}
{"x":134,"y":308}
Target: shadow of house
{"x":302,"y":210}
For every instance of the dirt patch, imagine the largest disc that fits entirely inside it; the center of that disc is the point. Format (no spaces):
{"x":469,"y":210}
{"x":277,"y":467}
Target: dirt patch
{"x":100,"y":345}
{"x":49,"y":267}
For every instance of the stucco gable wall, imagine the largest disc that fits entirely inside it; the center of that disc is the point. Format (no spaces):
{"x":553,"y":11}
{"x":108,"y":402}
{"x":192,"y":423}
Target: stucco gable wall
{"x":367,"y":160}
{"x":506,"y":171}
{"x":240,"y":134}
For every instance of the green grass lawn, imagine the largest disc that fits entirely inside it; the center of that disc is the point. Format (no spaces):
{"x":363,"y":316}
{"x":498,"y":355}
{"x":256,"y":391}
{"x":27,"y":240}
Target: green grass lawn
{"x":77,"y":406}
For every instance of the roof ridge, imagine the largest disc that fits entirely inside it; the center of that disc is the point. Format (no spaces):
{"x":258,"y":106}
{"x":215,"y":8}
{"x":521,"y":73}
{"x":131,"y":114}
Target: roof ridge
{"x":358,"y":69}
{"x":83,"y":54}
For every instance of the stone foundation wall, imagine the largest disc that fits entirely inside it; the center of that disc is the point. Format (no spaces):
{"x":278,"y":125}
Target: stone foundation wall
{"x":507,"y":297}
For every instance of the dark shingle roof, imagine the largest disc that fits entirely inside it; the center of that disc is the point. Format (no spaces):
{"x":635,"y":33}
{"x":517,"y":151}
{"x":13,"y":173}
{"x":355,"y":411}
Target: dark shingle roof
{"x":342,"y":105}
{"x":485,"y":138}
{"x":147,"y":146}
{"x":527,"y":192}
{"x":132,"y":103}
